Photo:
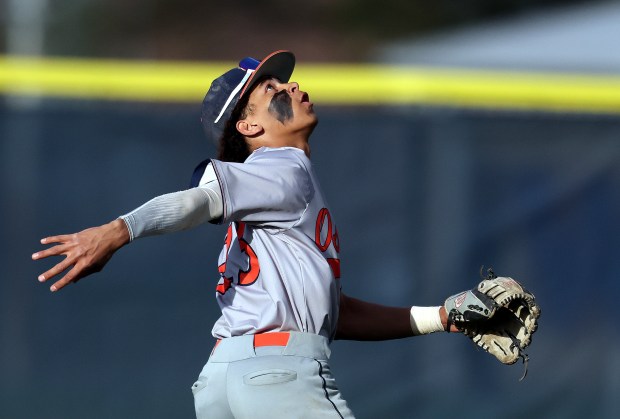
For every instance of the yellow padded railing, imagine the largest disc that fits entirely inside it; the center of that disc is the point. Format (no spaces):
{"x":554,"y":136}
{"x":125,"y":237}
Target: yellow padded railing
{"x":330,"y":84}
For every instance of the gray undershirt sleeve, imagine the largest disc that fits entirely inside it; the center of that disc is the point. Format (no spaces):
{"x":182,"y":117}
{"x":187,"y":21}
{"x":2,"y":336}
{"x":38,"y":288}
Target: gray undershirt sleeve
{"x":176,"y":211}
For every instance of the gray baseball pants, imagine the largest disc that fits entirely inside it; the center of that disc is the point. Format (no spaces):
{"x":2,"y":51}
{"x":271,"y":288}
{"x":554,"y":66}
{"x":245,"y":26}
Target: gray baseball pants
{"x":286,"y":375}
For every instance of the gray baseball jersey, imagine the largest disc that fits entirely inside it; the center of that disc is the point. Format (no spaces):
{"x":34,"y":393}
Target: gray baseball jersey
{"x":279,"y":267}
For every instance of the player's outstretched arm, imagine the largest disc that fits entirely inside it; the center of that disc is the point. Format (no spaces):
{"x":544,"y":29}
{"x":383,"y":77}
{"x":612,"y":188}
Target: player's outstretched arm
{"x":85,"y":252}
{"x":88,"y":251}
{"x":361,"y":320}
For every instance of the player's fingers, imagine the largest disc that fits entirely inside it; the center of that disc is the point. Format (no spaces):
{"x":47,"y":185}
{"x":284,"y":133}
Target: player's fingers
{"x":58,"y":268}
{"x":62,"y":238}
{"x":72,"y":276}
{"x":52,"y":251}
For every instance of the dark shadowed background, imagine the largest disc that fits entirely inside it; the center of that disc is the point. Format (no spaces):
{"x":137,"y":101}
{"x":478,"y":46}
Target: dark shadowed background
{"x":423,"y":196}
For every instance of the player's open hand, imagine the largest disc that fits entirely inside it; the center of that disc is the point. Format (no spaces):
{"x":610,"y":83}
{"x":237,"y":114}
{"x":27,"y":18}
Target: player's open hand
{"x":85,"y":252}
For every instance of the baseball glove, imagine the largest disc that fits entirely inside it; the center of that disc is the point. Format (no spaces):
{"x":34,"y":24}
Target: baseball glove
{"x":499,"y":315}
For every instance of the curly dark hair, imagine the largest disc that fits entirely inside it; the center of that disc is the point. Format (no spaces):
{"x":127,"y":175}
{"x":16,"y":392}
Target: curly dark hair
{"x":232,"y":145}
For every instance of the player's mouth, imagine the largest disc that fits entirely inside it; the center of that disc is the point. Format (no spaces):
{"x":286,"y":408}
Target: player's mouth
{"x":305,"y":98}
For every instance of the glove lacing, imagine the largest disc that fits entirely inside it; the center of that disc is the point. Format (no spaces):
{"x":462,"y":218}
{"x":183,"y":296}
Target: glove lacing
{"x":515,"y":342}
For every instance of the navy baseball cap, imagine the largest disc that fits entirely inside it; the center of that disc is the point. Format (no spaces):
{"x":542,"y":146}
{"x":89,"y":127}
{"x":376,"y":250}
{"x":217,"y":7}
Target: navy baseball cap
{"x":226,"y":90}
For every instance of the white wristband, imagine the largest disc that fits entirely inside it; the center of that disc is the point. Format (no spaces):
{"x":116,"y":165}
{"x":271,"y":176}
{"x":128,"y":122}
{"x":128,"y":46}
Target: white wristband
{"x":425,"y":320}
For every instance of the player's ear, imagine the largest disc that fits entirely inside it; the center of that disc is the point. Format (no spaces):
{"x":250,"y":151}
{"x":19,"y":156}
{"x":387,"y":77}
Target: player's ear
{"x":248,"y":129}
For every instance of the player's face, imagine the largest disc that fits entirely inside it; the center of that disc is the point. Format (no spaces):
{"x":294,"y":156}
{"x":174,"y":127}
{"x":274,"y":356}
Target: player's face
{"x":282,"y":108}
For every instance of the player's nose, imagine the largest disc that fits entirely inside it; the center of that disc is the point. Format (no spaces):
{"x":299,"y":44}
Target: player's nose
{"x":292,"y":87}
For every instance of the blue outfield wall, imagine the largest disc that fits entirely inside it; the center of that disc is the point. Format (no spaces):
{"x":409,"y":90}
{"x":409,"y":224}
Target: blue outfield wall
{"x":422,"y":198}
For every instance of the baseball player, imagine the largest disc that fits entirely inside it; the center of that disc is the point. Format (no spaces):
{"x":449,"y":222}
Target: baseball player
{"x":279,"y":286}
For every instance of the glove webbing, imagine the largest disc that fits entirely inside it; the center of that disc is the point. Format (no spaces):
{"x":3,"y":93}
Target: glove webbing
{"x":522,"y":354}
